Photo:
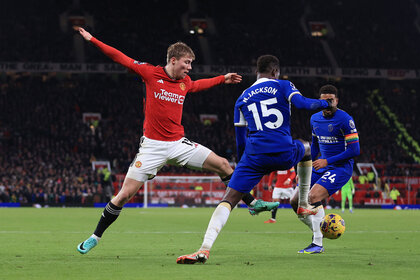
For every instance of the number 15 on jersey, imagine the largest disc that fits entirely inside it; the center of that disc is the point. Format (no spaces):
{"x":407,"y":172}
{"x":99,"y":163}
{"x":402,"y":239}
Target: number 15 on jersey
{"x":266,"y":112}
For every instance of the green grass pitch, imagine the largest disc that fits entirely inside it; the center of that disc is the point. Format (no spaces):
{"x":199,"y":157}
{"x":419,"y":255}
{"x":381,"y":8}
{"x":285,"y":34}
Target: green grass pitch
{"x":144,"y":244}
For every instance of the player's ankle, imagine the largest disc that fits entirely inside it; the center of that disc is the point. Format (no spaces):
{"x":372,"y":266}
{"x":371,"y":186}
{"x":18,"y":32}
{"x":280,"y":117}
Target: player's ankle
{"x":316,"y":204}
{"x":303,"y":204}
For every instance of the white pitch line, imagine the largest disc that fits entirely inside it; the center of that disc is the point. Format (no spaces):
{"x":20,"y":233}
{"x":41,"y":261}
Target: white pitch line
{"x":200,"y":232}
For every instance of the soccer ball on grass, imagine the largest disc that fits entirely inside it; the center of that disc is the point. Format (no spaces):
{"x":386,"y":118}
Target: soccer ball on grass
{"x":332,"y":226}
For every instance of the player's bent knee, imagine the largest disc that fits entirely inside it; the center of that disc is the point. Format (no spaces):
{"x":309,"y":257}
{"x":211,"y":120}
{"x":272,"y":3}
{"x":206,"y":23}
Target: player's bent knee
{"x":127,"y":192}
{"x":307,"y":156}
{"x":314,"y":199}
{"x":225,"y":166}
{"x":217,"y":164}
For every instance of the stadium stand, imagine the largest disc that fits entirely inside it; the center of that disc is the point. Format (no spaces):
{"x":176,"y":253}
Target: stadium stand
{"x":46,"y":149}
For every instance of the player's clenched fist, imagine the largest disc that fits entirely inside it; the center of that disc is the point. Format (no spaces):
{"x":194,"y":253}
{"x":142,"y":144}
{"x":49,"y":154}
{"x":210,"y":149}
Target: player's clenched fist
{"x":86,"y":35}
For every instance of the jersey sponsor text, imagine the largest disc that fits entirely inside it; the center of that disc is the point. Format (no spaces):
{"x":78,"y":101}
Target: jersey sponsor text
{"x":169,"y":96}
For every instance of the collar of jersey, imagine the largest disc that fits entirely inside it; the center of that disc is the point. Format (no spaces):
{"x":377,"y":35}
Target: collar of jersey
{"x":262,"y":80}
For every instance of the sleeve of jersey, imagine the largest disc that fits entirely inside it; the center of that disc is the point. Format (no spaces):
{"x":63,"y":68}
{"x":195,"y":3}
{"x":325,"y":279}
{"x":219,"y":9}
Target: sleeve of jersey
{"x":352,"y":141}
{"x":204,"y":84}
{"x":292,"y":174}
{"x":240,"y":132}
{"x":121,"y":58}
{"x":238,"y":117}
{"x":301,"y":102}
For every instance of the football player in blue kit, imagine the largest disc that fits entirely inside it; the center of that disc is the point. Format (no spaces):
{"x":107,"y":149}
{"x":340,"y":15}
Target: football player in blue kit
{"x":263,"y":108}
{"x":336,"y":142}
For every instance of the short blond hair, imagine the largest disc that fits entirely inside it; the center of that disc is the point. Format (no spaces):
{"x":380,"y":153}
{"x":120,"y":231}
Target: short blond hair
{"x":178,"y":50}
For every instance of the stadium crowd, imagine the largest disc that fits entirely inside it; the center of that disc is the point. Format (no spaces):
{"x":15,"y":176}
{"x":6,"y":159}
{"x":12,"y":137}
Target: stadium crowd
{"x":47,"y":149}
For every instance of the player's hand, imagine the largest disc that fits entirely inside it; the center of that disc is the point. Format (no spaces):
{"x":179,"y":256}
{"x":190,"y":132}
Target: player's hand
{"x":320,"y":163}
{"x":287,"y":182}
{"x":233,"y":78}
{"x":270,"y":188}
{"x":86,"y":35}
{"x":330,"y":103}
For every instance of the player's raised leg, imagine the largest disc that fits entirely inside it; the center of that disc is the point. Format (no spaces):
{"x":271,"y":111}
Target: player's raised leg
{"x":217,"y":221}
{"x":110,"y":214}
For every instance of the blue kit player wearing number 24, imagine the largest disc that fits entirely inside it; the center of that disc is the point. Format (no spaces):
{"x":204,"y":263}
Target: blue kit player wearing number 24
{"x":336,"y":141}
{"x":263,"y":108}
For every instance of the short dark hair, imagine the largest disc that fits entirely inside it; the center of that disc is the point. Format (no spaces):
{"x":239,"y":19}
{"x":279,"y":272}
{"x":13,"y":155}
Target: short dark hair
{"x":267,"y":63}
{"x":328,"y":89}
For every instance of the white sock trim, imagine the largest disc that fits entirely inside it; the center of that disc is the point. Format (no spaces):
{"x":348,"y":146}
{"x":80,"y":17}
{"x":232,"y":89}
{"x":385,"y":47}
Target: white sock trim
{"x":253,"y":202}
{"x":96,"y":237}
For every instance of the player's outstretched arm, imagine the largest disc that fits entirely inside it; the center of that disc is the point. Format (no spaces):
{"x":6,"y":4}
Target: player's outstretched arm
{"x":233,"y":78}
{"x":302,"y":102}
{"x":203,"y":84}
{"x":109,"y":51}
{"x":86,"y":35}
{"x":352,"y":151}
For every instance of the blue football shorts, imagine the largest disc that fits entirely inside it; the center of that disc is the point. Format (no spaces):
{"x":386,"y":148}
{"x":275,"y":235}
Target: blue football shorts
{"x":251,"y":168}
{"x":332,"y":178}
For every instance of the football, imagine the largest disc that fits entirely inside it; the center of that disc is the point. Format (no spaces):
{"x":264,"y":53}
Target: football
{"x":332,"y":226}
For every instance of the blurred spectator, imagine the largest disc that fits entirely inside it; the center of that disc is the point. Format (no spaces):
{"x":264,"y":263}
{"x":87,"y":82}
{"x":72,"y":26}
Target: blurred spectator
{"x":394,"y":194}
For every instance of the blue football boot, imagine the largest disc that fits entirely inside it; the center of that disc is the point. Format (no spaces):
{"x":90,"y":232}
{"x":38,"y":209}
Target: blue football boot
{"x":87,"y":245}
{"x":312,"y":249}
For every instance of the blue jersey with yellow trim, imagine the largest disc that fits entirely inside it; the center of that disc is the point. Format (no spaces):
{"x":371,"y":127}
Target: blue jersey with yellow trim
{"x":333,"y":134}
{"x":265,"y":109}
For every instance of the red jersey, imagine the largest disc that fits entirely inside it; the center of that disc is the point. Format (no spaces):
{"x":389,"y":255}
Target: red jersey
{"x":164,"y":95}
{"x":282,"y":176}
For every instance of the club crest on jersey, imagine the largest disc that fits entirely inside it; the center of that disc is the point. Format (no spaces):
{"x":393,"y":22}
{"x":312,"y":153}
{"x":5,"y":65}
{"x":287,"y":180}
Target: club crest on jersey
{"x":330,"y":127}
{"x":351,"y":124}
{"x":137,"y":164}
{"x":182,"y":86}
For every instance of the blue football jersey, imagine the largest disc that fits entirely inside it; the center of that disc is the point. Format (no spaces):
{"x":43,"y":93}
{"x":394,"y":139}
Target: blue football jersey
{"x":333,"y":134}
{"x":265,"y":109}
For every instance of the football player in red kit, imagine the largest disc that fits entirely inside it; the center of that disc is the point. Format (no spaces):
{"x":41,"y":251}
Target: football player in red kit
{"x":282,"y":189}
{"x":163,"y":138}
